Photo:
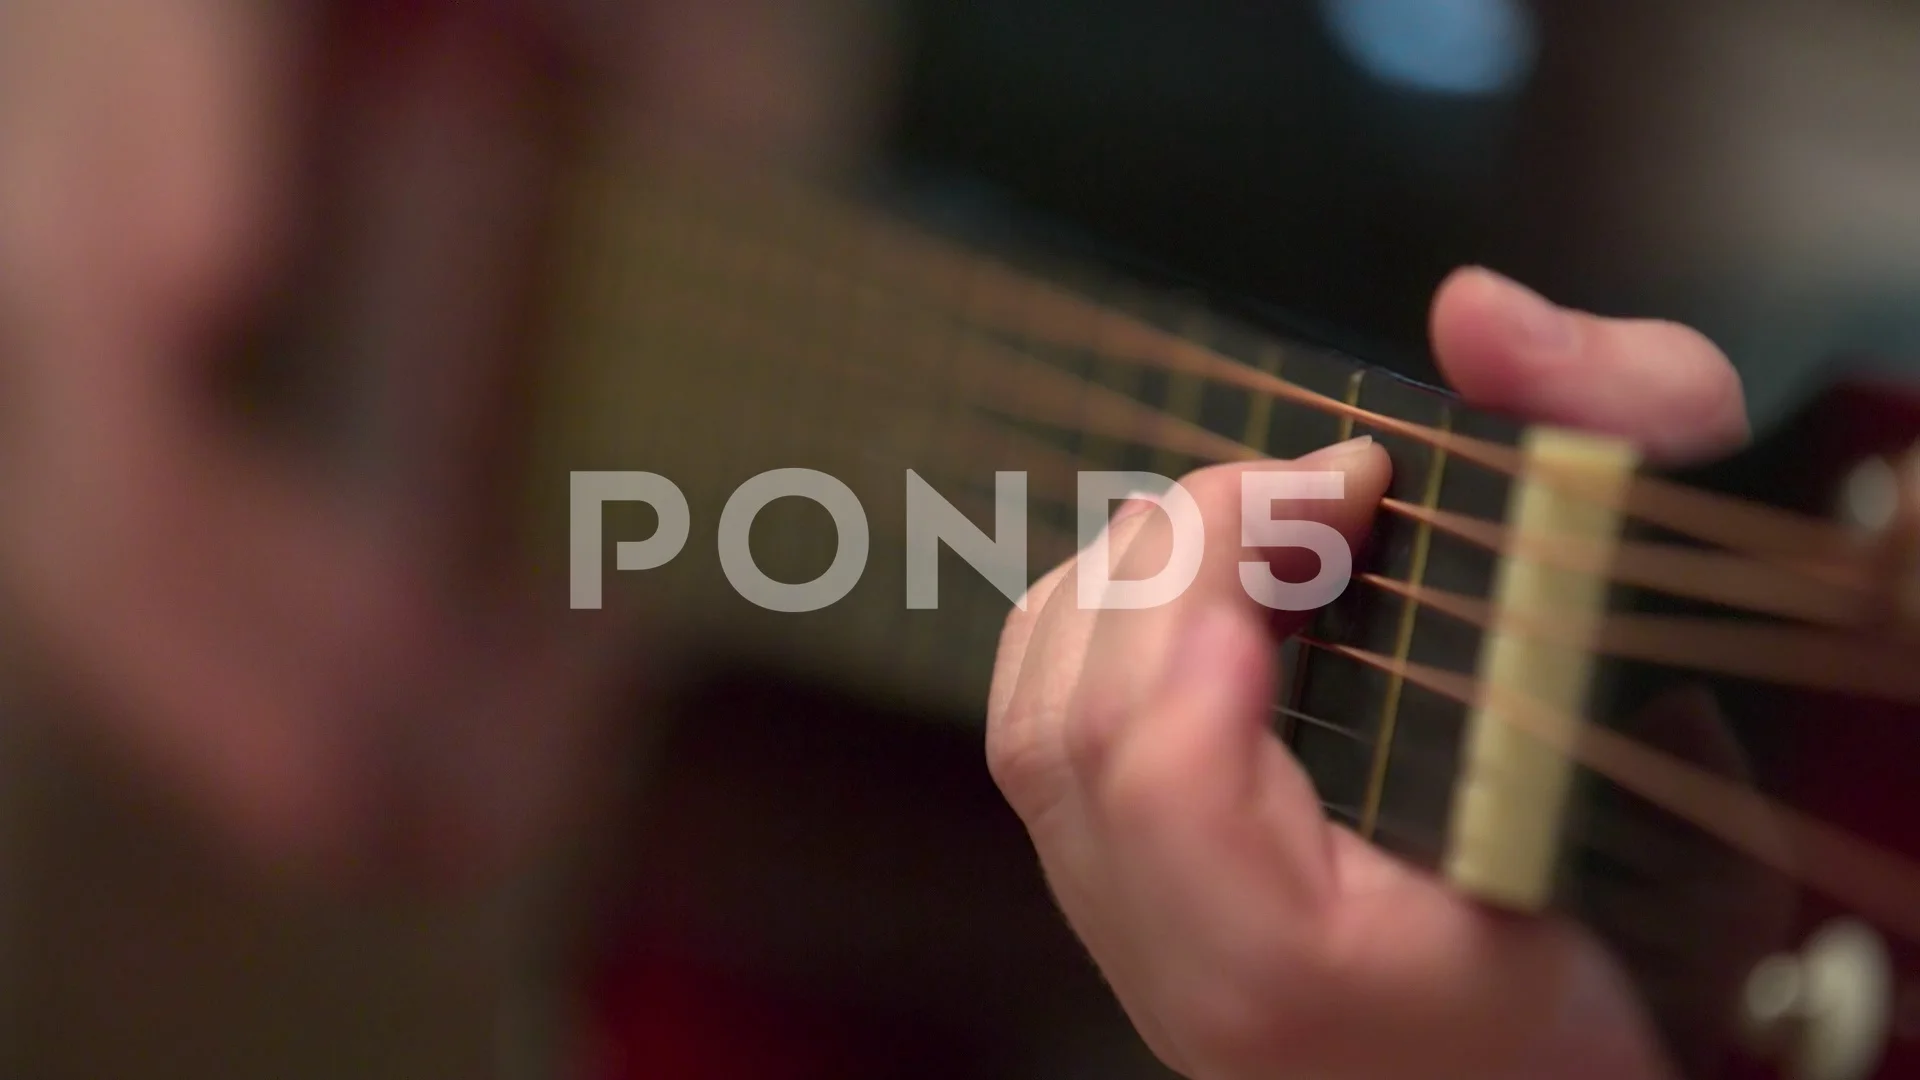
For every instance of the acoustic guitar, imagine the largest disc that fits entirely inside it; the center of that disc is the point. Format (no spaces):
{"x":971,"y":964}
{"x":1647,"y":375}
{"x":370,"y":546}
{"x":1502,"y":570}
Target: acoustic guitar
{"x":1679,"y":708}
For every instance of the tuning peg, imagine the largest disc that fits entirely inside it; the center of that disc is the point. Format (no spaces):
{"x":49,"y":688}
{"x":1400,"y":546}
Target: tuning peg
{"x":1826,"y":1012}
{"x":1880,"y":501}
{"x":1869,"y":499}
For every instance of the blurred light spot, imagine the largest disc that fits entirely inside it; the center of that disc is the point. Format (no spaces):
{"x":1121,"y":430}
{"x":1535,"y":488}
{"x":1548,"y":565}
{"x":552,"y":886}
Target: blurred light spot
{"x":1469,"y":47}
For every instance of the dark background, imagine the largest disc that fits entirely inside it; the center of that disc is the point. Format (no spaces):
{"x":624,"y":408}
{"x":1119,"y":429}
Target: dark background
{"x":1728,"y":164}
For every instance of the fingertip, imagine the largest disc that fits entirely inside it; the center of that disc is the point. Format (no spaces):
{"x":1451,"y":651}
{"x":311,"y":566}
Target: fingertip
{"x":1463,"y":290}
{"x":1369,"y":472}
{"x":1487,"y":331}
{"x":1664,"y":386}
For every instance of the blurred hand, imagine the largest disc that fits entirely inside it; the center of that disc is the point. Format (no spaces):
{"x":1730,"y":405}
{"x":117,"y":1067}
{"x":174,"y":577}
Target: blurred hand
{"x":309,"y":644}
{"x":1245,"y":935}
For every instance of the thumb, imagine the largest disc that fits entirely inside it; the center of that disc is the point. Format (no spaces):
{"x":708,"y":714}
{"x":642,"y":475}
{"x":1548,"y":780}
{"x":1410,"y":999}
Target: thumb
{"x":1662,"y":385}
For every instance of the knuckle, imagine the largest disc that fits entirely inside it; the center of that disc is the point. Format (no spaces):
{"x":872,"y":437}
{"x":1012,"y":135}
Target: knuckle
{"x":1026,"y":611}
{"x":1021,"y":762}
{"x":1015,"y":628}
{"x":1042,"y":750}
{"x":1025,"y":744}
{"x":1088,"y":736}
{"x":1016,"y":636}
{"x":1009,"y":751}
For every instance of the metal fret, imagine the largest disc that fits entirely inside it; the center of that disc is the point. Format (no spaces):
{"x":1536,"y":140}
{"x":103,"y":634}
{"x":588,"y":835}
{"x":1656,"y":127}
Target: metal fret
{"x":1260,"y":406}
{"x":1345,"y":815}
{"x":1271,"y":360}
{"x":1297,"y":716}
{"x":1353,"y":400}
{"x":1403,"y":643}
{"x":1183,"y":398}
{"x":1297,"y":680}
{"x":748,"y":305}
{"x":1423,"y":761}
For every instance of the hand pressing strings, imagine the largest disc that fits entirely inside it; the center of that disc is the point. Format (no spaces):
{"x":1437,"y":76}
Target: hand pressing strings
{"x":1245,"y":935}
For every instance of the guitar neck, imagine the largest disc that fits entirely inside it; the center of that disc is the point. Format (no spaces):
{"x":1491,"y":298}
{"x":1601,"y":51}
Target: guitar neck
{"x":710,"y":338}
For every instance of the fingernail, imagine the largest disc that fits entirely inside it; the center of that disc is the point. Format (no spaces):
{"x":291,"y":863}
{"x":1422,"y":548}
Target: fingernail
{"x":1337,"y":453}
{"x":1538,"y":324}
{"x":1135,"y":503}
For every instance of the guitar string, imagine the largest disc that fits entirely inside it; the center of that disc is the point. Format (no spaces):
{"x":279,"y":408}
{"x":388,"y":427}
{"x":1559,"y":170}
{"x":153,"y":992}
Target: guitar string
{"x":1805,"y":657}
{"x":1347,"y":812}
{"x":1036,"y":392}
{"x":1748,"y":584}
{"x":1733,"y":523}
{"x":1863,"y":876}
{"x":901,"y":256}
{"x":1103,"y":399}
{"x":1425,"y":763}
{"x":1763,"y":652}
{"x":1729,"y":580}
{"x":1637,"y":851}
{"x":1621,"y":640}
{"x":1691,"y":796}
{"x":1811,"y":658}
{"x":1049,"y":396}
